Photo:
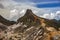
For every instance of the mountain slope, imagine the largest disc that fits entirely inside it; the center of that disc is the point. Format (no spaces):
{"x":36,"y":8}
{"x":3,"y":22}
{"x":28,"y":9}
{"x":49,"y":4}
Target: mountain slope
{"x":29,"y":18}
{"x":6,"y":22}
{"x":32,"y":24}
{"x":30,"y":27}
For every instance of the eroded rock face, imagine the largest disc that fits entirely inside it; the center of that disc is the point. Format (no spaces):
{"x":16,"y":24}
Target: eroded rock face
{"x":52,"y":36}
{"x":56,"y":37}
{"x":23,"y":33}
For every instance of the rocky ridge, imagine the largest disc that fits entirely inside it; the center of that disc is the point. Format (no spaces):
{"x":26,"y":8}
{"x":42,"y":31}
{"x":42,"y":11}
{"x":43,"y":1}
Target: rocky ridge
{"x":29,"y":27}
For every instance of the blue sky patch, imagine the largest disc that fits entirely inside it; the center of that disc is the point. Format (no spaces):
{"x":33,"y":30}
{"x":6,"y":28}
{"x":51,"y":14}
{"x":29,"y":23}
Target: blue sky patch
{"x":48,"y":5}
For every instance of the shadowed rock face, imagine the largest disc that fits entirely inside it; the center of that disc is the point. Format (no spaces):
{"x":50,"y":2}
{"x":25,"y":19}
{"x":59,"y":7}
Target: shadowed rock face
{"x":6,"y":22}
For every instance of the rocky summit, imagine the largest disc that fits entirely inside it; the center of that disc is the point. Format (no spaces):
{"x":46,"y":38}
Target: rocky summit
{"x":29,"y":27}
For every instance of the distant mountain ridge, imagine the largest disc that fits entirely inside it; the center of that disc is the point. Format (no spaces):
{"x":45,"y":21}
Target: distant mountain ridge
{"x":6,"y":22}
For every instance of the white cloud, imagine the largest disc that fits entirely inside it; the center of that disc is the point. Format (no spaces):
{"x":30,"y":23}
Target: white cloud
{"x":7,"y":3}
{"x":55,"y":15}
{"x":48,"y":16}
{"x":13,"y":12}
{"x":22,"y":12}
{"x":45,"y":15}
{"x":58,"y":12}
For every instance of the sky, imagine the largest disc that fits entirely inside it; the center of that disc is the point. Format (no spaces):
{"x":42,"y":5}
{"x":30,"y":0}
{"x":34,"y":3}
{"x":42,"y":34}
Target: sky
{"x":49,"y":9}
{"x":45,"y":3}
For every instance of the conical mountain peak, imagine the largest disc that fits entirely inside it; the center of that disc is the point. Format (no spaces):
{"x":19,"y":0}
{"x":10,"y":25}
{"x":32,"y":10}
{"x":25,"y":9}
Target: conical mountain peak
{"x":29,"y":18}
{"x":28,"y":12}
